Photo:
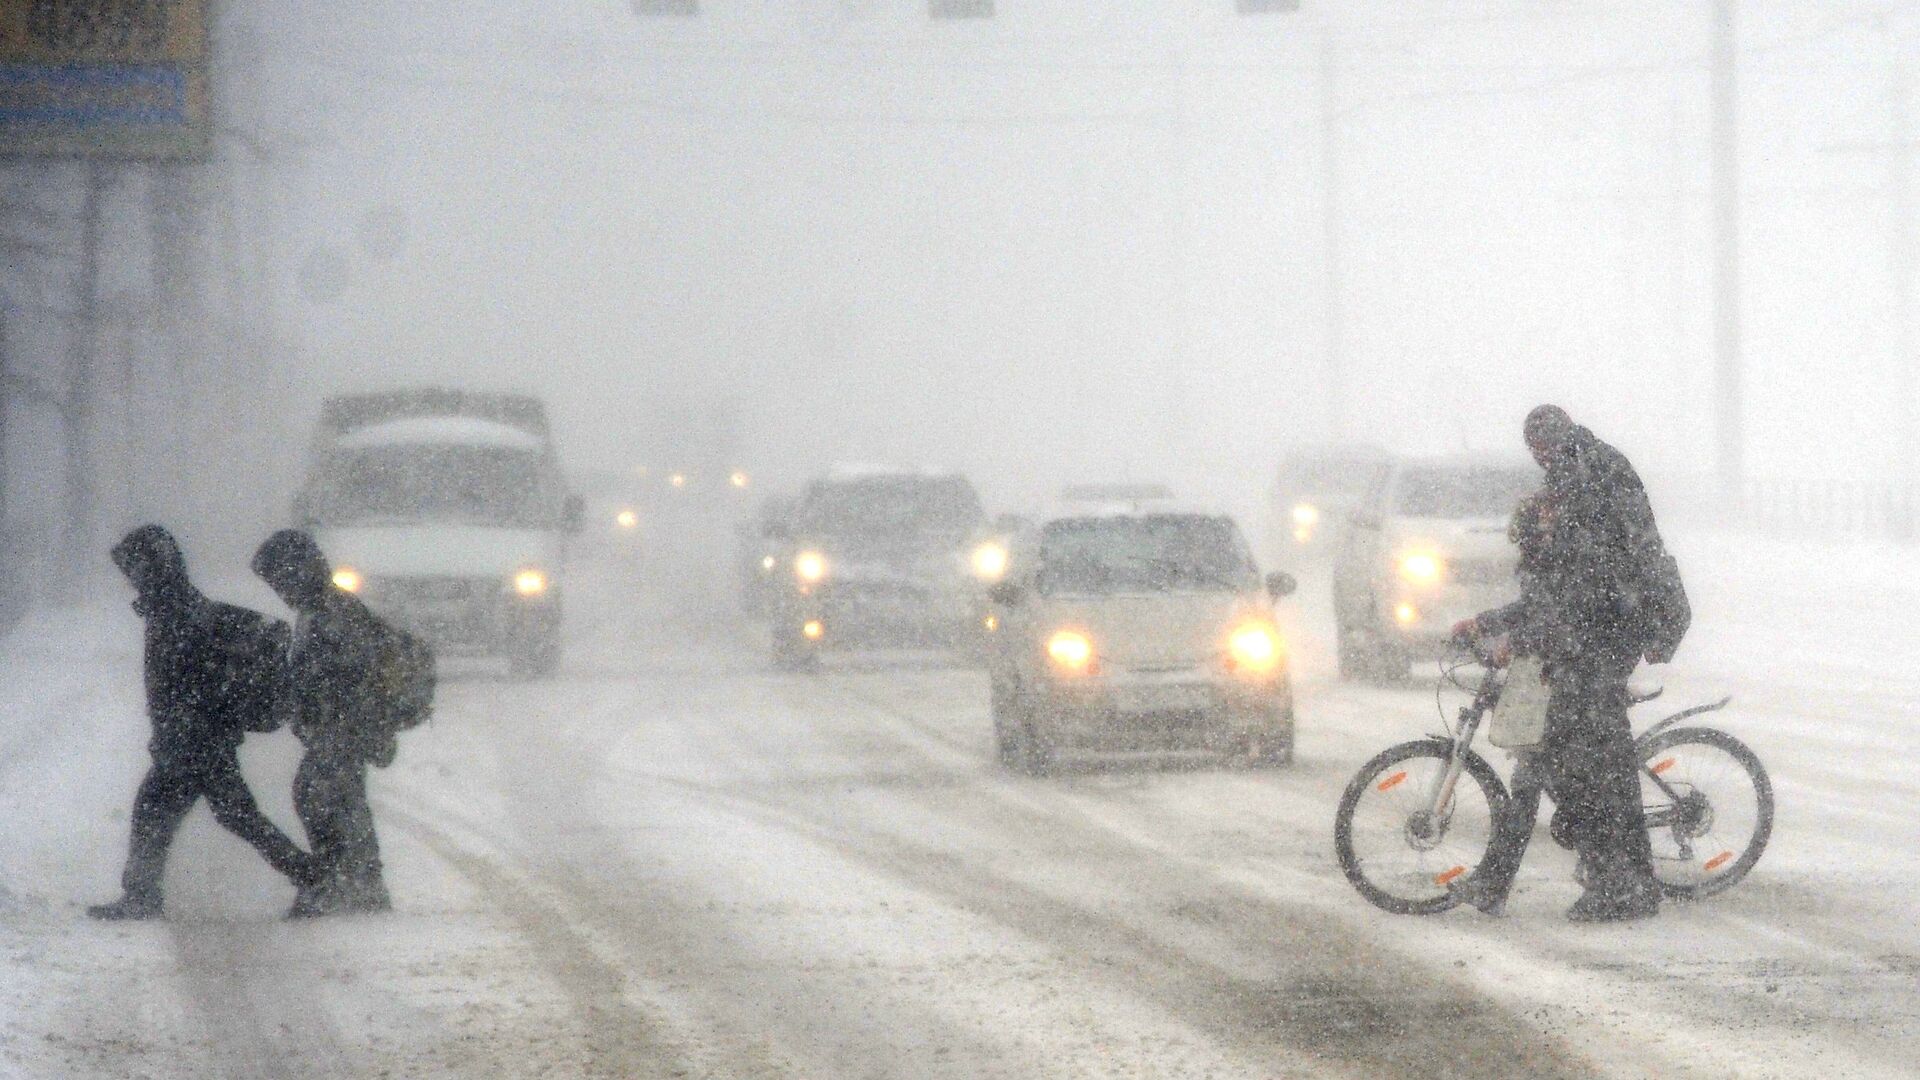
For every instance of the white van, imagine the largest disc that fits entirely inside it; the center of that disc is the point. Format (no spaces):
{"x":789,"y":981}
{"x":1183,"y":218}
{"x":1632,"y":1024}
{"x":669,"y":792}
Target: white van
{"x":446,"y":512}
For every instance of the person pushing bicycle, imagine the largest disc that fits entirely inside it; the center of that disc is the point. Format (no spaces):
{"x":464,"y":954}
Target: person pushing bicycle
{"x":1599,"y":593}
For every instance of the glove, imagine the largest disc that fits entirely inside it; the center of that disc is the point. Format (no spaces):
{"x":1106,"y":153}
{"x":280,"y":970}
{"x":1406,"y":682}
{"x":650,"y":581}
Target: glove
{"x":1465,"y":630}
{"x":1660,"y":654}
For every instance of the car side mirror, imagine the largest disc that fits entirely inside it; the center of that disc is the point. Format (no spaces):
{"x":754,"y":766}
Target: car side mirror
{"x":1281,"y":584}
{"x":573,"y":515}
{"x":1006,"y":593}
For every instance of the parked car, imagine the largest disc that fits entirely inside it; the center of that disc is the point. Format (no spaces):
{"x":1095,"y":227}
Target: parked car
{"x":1137,"y":630}
{"x":1429,"y":549}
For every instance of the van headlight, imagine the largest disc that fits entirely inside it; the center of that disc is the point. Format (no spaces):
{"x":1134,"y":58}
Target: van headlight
{"x":990,"y":561}
{"x":810,"y":567}
{"x":347,"y":579}
{"x":530,"y":582}
{"x":1254,"y":648}
{"x":1071,"y":651}
{"x":1421,"y":567}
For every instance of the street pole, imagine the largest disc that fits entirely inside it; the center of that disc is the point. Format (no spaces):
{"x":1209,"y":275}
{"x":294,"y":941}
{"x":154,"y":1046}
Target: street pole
{"x":1901,"y":258}
{"x":1728,"y":403}
{"x":1330,"y":208}
{"x":79,"y":403}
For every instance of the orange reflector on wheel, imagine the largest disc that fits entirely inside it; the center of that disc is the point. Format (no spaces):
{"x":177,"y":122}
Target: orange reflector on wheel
{"x":1446,"y":877}
{"x":1392,"y":781}
{"x":1661,"y":766}
{"x":1719,"y":860}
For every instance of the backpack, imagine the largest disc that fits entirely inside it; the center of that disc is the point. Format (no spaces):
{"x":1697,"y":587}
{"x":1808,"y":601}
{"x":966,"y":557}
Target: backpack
{"x":1663,"y":611}
{"x":404,"y":679}
{"x":251,"y":650}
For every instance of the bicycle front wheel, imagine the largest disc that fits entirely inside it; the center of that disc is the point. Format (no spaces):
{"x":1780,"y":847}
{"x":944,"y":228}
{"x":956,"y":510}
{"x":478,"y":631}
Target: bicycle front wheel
{"x":1709,"y":809}
{"x":1392,"y":844}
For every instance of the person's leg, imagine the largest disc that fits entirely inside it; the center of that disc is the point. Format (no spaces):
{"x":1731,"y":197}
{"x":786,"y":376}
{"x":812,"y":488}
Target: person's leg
{"x":1514,"y":830}
{"x":234,"y":808}
{"x":313,"y":803}
{"x":1601,"y":771}
{"x":362,"y":868}
{"x":165,"y":796}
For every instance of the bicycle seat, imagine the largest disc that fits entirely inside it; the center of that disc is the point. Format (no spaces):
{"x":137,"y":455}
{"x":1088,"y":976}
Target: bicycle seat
{"x":1641,"y":697}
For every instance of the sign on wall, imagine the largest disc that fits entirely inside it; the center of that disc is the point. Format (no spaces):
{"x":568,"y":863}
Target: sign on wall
{"x":103,"y":78}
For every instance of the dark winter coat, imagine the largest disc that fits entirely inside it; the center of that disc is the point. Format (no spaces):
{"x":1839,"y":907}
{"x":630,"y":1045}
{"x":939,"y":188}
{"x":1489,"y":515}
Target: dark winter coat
{"x":1602,"y":584}
{"x":212,"y":669}
{"x":337,"y":708}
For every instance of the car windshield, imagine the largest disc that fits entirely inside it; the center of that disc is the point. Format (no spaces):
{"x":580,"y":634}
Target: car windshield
{"x":1463,"y":492}
{"x":1159,"y":553}
{"x":410,"y":483}
{"x":945,"y":505}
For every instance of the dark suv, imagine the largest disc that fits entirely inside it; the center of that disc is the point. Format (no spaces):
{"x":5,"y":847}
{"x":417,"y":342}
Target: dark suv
{"x":876,"y":558}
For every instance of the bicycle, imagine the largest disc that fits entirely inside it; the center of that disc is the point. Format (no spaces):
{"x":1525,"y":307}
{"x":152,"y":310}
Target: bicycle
{"x":1407,"y":827}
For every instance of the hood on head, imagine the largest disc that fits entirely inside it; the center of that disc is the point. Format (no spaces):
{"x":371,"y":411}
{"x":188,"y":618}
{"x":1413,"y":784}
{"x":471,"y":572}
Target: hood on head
{"x":291,"y":562}
{"x":150,"y":558}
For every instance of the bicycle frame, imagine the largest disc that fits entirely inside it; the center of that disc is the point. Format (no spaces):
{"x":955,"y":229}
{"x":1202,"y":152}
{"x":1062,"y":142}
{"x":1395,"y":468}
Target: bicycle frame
{"x":1488,"y":695}
{"x":1471,"y":714}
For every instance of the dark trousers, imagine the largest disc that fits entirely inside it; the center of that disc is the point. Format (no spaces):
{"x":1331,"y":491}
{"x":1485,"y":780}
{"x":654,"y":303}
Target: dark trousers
{"x":170,"y":790}
{"x":1590,"y":766}
{"x":1514,"y":829}
{"x":330,"y":795}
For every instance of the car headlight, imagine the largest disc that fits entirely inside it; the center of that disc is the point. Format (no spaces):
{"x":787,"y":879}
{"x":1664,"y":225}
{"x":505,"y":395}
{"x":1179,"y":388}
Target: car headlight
{"x":768,"y":562}
{"x":1306,"y":515}
{"x":530,"y":582}
{"x":1071,"y":651}
{"x":810,"y":567}
{"x":1254,"y":647}
{"x":347,"y":579}
{"x":990,"y":561}
{"x":1421,"y":567}
{"x":626,"y":519}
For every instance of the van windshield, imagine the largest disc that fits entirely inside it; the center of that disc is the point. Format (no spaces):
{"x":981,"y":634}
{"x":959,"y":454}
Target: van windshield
{"x":411,"y":483}
{"x":1155,"y":553}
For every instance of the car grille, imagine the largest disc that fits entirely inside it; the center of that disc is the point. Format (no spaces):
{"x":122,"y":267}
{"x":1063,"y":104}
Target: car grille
{"x":427,"y":590}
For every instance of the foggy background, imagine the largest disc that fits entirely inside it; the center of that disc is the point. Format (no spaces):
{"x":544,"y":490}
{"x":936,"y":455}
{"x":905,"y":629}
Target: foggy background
{"x":1076,"y":240}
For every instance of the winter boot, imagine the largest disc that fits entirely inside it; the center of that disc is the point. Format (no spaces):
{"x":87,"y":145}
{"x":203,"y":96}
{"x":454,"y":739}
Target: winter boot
{"x":1617,"y":897}
{"x":132,"y":906}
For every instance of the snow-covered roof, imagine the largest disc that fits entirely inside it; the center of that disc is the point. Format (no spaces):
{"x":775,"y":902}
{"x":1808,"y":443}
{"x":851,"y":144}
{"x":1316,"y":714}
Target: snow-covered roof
{"x":439,"y":431}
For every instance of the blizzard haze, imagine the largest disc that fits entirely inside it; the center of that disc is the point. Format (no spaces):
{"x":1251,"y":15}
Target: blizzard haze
{"x":720,"y":785}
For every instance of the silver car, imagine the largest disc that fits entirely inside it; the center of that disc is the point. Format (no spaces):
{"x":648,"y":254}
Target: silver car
{"x":1429,"y":550}
{"x":1137,"y":631}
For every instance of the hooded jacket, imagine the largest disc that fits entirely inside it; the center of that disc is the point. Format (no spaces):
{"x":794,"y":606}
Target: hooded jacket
{"x":211,"y":669}
{"x":1590,"y":588}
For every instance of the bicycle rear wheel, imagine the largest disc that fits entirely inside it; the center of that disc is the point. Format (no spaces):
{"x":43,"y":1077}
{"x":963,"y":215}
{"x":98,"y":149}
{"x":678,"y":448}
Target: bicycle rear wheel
{"x":1393,"y":849}
{"x":1709,"y":808}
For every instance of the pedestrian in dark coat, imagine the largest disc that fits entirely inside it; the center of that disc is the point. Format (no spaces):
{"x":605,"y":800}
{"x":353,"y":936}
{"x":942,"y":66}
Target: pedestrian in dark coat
{"x":336,"y":714}
{"x":212,"y":671}
{"x":1595,"y":612}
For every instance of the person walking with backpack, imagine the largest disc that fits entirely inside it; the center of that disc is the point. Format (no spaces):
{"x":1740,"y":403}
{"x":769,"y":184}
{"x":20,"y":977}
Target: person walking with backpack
{"x":340,"y":673}
{"x":212,"y":674}
{"x":1606,"y":595}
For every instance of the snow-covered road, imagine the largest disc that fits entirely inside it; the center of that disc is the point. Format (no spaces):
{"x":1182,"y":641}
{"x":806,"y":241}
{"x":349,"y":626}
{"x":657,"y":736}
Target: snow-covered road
{"x":670,"y":862}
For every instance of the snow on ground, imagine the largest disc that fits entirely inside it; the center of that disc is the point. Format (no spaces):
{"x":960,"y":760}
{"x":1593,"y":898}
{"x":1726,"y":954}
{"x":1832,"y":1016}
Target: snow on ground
{"x":670,"y":862}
